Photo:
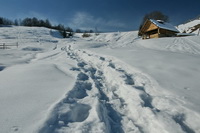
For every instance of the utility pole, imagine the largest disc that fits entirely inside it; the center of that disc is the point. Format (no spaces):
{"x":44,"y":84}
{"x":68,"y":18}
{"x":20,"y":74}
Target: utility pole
{"x":96,"y":31}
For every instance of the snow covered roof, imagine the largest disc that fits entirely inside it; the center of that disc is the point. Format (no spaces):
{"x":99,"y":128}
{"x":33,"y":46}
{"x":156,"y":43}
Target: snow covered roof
{"x":164,"y":25}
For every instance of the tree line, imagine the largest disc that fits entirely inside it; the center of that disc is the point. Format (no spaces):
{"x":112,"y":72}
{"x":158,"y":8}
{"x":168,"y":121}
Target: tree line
{"x":32,"y":22}
{"x":4,"y":21}
{"x":35,"y":22}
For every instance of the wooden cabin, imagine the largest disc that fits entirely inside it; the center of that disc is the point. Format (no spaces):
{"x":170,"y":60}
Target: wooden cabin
{"x":156,"y":29}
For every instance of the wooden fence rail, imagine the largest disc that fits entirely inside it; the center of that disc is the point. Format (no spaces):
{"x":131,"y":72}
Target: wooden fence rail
{"x":5,"y":46}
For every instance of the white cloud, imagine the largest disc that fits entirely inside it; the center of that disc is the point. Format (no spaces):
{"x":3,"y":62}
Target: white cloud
{"x":38,"y":15}
{"x":31,"y":14}
{"x":86,"y":21}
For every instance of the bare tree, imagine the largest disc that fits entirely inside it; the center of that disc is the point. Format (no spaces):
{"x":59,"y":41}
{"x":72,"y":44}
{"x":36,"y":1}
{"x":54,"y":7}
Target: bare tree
{"x":96,"y":31}
{"x":157,"y":15}
{"x":78,"y":31}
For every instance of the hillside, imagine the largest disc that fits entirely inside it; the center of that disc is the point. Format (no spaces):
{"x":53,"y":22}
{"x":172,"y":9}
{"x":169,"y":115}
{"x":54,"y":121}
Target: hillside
{"x":110,"y":83}
{"x":192,"y":26}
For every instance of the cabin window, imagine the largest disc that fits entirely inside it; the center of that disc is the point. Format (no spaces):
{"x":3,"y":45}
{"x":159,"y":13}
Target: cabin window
{"x":153,"y":32}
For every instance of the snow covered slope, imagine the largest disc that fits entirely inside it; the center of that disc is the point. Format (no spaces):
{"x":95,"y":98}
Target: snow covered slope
{"x":110,"y":83}
{"x":190,"y":27}
{"x":28,"y":86}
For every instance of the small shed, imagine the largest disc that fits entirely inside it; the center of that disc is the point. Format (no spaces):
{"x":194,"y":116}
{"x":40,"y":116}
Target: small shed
{"x":156,"y":29}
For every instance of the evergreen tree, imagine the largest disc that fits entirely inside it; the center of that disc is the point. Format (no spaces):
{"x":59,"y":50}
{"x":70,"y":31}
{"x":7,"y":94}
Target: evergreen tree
{"x":91,"y":31}
{"x":78,"y":31}
{"x":35,"y":22}
{"x":16,"y":23}
{"x":47,"y":23}
{"x":64,"y":34}
{"x":27,"y":22}
{"x":1,"y":20}
{"x":42,"y":23}
{"x":68,"y":29}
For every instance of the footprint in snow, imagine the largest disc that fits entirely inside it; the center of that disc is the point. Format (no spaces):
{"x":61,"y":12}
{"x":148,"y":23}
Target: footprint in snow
{"x":78,"y":113}
{"x":82,"y":76}
{"x":187,"y":88}
{"x":2,"y":68}
{"x":75,"y":69}
{"x":81,"y":64}
{"x":15,"y":129}
{"x":102,"y":58}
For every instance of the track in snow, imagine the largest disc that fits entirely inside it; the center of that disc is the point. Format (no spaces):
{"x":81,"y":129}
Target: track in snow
{"x":109,"y":97}
{"x":185,"y":45}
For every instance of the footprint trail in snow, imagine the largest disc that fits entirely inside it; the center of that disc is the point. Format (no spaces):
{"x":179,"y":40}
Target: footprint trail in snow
{"x":112,"y":97}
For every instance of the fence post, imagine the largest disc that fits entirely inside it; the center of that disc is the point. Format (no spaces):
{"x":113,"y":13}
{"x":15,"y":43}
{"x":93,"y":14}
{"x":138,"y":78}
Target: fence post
{"x":4,"y":46}
{"x":17,"y":44}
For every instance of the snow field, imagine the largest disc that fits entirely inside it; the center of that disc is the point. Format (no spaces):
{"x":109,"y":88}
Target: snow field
{"x":177,"y":44}
{"x":111,"y":83}
{"x":26,"y":93}
{"x":118,"y":92}
{"x":172,"y":63}
{"x":29,"y":92}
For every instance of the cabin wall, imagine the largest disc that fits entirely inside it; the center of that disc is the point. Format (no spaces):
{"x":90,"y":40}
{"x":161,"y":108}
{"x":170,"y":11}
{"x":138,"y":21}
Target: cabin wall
{"x":151,"y":34}
{"x":145,"y":36}
{"x":151,"y":27}
{"x":166,"y":33}
{"x":148,"y":27}
{"x":154,"y":36}
{"x":148,"y":36}
{"x":157,"y":33}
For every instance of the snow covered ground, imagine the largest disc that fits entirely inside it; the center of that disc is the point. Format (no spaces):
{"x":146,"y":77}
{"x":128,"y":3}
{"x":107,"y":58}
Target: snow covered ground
{"x":189,"y":26}
{"x":110,"y":83}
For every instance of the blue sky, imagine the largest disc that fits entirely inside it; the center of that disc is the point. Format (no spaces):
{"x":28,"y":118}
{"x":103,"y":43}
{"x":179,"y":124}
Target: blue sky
{"x":106,"y":15}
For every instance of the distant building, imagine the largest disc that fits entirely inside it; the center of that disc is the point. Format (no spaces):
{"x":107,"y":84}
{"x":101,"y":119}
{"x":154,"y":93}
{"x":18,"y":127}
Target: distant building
{"x":156,"y":29}
{"x":194,"y":28}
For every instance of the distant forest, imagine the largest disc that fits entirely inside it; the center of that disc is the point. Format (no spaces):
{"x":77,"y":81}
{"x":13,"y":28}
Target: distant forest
{"x":35,"y":22}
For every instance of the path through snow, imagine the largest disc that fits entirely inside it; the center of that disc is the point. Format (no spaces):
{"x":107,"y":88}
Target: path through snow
{"x":112,"y":97}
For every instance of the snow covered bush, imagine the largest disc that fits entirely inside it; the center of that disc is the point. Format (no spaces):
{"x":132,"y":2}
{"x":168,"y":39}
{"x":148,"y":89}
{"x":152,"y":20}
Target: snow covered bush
{"x":86,"y":35}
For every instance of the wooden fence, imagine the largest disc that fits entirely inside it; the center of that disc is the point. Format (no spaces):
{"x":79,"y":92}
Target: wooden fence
{"x":7,"y":45}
